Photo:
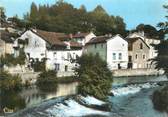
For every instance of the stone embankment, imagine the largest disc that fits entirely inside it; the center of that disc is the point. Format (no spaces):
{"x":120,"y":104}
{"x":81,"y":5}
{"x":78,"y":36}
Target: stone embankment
{"x":137,"y":72}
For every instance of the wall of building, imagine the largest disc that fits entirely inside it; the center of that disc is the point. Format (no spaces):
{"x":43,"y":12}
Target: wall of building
{"x":61,"y":60}
{"x":36,"y":46}
{"x":117,"y":45}
{"x":99,"y":48}
{"x":140,"y":57}
{"x":2,"y":47}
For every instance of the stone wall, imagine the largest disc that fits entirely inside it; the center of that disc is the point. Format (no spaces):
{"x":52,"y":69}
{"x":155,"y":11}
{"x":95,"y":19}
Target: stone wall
{"x":137,"y":72}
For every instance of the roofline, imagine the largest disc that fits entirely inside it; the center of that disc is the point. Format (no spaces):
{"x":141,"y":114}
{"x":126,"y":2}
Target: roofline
{"x":42,"y":37}
{"x":141,"y":39}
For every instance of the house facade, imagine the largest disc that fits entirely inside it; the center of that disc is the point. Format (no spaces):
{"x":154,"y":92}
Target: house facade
{"x":138,"y":53}
{"x":113,"y":50}
{"x":6,"y":42}
{"x":149,"y":41}
{"x":60,"y":55}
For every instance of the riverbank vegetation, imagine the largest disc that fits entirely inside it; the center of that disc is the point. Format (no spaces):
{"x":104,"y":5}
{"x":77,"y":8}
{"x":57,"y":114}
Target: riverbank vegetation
{"x":94,"y":76}
{"x":10,"y":82}
{"x":47,"y":81}
{"x":10,"y":60}
{"x":160,"y":97}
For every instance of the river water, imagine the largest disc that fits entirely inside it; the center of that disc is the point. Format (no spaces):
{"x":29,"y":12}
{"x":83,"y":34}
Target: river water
{"x":132,"y":98}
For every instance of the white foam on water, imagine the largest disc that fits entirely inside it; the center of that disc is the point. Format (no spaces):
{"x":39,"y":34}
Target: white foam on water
{"x":92,"y":100}
{"x":72,"y":108}
{"x":131,"y":89}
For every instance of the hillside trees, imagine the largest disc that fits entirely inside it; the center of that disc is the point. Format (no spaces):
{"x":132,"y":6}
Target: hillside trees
{"x":64,"y":17}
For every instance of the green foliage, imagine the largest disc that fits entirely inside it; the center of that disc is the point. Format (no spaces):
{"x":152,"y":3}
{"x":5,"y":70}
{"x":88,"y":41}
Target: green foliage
{"x":12,"y":100}
{"x":9,"y":82}
{"x":160,"y":99}
{"x":163,"y":25}
{"x":47,"y":81}
{"x":2,"y":13}
{"x":39,"y":66}
{"x":149,"y":30}
{"x":9,"y":59}
{"x":94,"y":76}
{"x":63,"y":17}
{"x":162,"y":58}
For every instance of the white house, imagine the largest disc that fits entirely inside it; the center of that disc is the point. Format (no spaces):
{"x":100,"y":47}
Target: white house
{"x":60,"y":54}
{"x":114,"y":50}
{"x":83,"y":38}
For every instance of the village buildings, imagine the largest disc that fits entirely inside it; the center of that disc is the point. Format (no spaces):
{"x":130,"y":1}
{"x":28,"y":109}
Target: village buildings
{"x":59,"y":53}
{"x":113,"y":50}
{"x":61,"y":50}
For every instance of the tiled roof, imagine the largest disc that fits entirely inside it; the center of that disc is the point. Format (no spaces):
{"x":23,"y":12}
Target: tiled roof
{"x":75,"y":44}
{"x":52,"y":37}
{"x":99,"y":39}
{"x":132,"y":40}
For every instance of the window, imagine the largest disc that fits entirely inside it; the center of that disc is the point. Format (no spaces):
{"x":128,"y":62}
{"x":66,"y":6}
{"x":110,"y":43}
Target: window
{"x":136,"y":56}
{"x":120,"y":56}
{"x":57,"y":67}
{"x":141,"y":46}
{"x":54,"y":54}
{"x":114,"y":56}
{"x":95,"y":46}
{"x":66,"y":67}
{"x":144,"y":56}
{"x":69,"y":56}
{"x":97,"y":54}
{"x":101,"y":45}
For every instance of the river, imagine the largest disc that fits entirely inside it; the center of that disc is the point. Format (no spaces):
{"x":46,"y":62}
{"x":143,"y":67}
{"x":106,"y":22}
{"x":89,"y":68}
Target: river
{"x":132,"y":98}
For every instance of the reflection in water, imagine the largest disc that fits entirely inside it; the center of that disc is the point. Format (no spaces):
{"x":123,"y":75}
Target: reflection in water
{"x":11,"y":100}
{"x":32,"y":96}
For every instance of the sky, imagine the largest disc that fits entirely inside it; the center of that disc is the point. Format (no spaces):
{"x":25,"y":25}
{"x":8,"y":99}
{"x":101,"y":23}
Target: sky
{"x":133,"y":12}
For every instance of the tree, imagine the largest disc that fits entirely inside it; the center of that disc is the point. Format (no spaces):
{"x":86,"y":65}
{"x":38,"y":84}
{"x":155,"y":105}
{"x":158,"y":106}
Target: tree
{"x":33,"y":12}
{"x":94,"y":76}
{"x":163,"y":25}
{"x":2,"y":14}
{"x":148,"y":30}
{"x":160,"y":96}
{"x":47,"y":81}
{"x":63,"y":17}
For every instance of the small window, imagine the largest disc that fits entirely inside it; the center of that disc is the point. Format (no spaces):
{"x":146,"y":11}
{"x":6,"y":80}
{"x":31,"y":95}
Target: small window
{"x":66,"y":67}
{"x":101,"y":45}
{"x":141,"y":46}
{"x":144,"y":56}
{"x":95,"y":46}
{"x":57,"y":67}
{"x":97,"y":54}
{"x":54,"y":54}
{"x":120,"y":56}
{"x":114,"y":56}
{"x":136,"y":56}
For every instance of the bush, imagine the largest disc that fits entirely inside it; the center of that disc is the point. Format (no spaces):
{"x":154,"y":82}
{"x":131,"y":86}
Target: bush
{"x":94,"y":76}
{"x":9,"y":82}
{"x":39,"y":66}
{"x":47,"y":81}
{"x":160,"y":99}
{"x":9,"y":59}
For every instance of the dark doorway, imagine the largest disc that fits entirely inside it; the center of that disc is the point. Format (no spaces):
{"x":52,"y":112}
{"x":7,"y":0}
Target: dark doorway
{"x":130,"y":62}
{"x":119,"y":66}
